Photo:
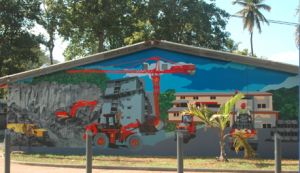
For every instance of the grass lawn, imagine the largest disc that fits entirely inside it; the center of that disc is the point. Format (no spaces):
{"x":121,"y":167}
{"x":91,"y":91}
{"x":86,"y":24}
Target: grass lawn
{"x":156,"y":161}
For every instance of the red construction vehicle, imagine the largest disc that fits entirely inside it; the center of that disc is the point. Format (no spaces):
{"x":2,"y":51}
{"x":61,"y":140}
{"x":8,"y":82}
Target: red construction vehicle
{"x":186,"y":127}
{"x":244,"y":123}
{"x":113,"y":131}
{"x":151,"y":124}
{"x":72,"y":116}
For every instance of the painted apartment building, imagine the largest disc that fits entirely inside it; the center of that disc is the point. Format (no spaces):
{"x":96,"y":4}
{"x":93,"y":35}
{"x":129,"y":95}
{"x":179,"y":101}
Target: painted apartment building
{"x":128,"y":96}
{"x":264,"y":115}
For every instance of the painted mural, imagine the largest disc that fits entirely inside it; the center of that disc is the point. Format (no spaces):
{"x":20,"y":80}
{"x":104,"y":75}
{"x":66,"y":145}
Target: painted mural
{"x":137,"y":100}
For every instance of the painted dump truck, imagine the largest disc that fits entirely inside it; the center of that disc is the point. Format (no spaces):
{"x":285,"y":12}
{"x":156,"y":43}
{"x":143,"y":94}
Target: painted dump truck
{"x":33,"y":131}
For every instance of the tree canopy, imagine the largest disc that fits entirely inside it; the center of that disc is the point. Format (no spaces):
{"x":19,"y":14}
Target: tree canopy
{"x":189,"y":22}
{"x":18,"y":46}
{"x":252,"y":16}
{"x":49,"y":19}
{"x":231,"y":46}
{"x":93,"y":26}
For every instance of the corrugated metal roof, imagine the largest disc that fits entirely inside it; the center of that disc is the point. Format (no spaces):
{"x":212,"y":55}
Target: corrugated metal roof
{"x":197,"y":51}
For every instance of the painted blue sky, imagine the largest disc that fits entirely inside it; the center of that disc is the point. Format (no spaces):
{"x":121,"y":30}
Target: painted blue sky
{"x":211,"y":74}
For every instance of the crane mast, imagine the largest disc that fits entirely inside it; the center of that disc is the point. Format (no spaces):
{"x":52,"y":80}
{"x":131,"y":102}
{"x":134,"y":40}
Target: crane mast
{"x":155,"y":76}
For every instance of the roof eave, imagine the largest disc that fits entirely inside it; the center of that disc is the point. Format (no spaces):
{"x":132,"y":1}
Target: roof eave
{"x":78,"y":62}
{"x":150,"y":44}
{"x":231,"y":57}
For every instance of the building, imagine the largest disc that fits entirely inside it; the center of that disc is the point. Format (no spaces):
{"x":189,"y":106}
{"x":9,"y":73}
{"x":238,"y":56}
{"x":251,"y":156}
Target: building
{"x":128,"y":96}
{"x":264,"y":115}
{"x":127,"y":79}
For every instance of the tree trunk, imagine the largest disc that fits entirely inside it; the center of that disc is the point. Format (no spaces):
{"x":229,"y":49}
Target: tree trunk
{"x":100,"y":36}
{"x":251,"y":43}
{"x":246,"y":156}
{"x":51,"y":47}
{"x":51,"y":56}
{"x":222,"y":154}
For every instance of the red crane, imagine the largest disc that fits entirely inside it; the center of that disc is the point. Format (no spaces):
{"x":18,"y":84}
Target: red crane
{"x":155,"y":76}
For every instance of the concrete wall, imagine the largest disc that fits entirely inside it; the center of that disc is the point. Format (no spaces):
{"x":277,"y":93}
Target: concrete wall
{"x":208,"y":141}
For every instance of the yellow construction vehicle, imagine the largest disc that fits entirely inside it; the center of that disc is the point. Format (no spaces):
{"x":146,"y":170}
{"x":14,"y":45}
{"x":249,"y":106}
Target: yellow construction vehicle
{"x":34,"y":131}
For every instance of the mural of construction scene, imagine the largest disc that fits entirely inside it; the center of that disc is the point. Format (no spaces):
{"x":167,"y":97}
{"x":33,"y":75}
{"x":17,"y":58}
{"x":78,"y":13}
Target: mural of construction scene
{"x":136,"y":100}
{"x":253,"y":111}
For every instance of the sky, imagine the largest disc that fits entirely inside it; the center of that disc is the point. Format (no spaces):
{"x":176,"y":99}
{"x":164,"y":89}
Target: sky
{"x":276,"y":41}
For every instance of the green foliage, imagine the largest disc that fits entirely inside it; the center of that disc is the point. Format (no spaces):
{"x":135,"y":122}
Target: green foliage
{"x":170,"y":127}
{"x":287,"y":102}
{"x":239,"y":142}
{"x":246,"y":53}
{"x":49,"y":19}
{"x":94,"y":26}
{"x":251,"y":15}
{"x":165,"y":103}
{"x":231,"y":46}
{"x":219,"y":120}
{"x":4,"y":90}
{"x":62,"y":77}
{"x":225,"y":108}
{"x":189,"y":22}
{"x":145,"y":32}
{"x":18,"y":47}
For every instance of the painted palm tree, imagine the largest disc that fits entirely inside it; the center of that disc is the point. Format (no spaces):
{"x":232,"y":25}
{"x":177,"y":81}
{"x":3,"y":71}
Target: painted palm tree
{"x":220,"y":121}
{"x":231,"y":46}
{"x":252,"y":16}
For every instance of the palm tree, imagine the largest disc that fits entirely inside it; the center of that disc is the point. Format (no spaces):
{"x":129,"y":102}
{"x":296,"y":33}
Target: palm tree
{"x":297,"y":30}
{"x":251,"y":15}
{"x":240,"y":141}
{"x":297,"y":37}
{"x":231,"y":46}
{"x":220,"y":121}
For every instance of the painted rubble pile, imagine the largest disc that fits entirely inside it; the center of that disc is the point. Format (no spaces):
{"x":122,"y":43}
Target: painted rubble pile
{"x":39,"y":103}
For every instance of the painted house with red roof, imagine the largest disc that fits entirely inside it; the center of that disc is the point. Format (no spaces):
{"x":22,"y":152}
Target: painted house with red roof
{"x":264,"y":115}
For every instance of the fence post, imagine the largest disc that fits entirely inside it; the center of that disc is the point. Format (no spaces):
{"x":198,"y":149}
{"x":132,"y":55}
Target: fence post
{"x":179,"y":152}
{"x":277,"y":153}
{"x":89,"y":151}
{"x":7,"y":151}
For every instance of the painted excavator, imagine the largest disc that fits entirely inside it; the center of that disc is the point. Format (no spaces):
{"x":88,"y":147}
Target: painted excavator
{"x":72,"y":116}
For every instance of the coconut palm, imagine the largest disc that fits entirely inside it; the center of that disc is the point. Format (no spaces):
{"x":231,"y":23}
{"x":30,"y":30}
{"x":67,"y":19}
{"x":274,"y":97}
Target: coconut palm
{"x":220,"y":121}
{"x":231,"y":46}
{"x":297,"y":30}
{"x":251,"y":15}
{"x":297,"y":37}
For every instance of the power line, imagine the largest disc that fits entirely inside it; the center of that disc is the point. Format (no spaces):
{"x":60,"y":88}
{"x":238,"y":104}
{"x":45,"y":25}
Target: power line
{"x":273,"y":21}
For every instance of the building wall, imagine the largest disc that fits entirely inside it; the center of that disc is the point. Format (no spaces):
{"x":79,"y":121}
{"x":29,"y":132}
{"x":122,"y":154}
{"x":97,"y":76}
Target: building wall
{"x":38,"y":100}
{"x":132,"y":105}
{"x":264,"y":119}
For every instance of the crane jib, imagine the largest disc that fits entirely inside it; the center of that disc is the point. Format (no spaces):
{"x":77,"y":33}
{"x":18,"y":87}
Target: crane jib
{"x":186,"y":69}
